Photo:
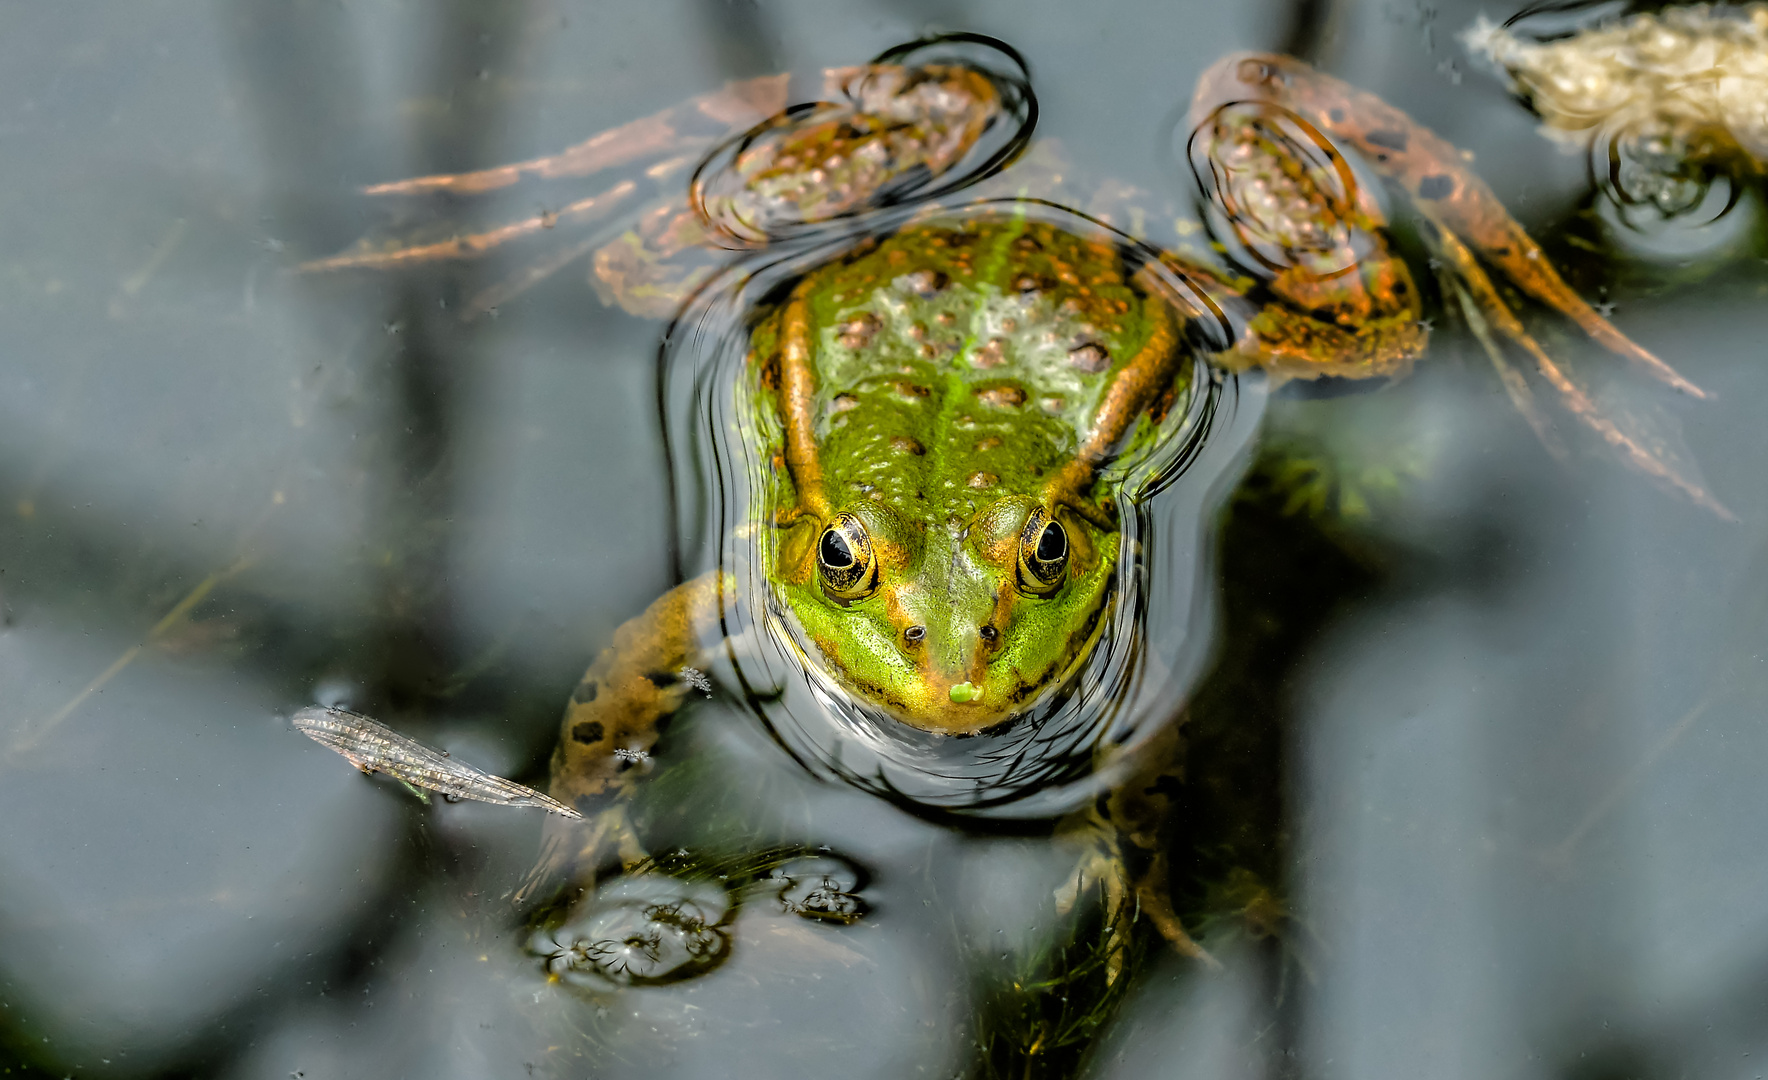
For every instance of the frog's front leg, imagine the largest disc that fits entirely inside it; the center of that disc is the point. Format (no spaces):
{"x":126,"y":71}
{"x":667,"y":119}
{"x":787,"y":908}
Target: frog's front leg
{"x":1126,"y":824}
{"x":613,"y":720}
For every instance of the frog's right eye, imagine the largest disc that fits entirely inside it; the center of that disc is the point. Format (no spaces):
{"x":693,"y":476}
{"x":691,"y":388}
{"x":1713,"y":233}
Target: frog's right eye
{"x":844,"y":557}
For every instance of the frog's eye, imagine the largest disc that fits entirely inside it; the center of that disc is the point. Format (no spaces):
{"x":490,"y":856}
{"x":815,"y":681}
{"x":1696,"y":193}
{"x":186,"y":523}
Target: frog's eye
{"x":844,"y":556}
{"x":1043,"y":553}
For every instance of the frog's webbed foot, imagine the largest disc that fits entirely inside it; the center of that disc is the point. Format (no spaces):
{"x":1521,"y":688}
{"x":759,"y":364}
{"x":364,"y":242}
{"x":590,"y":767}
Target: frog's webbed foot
{"x":1101,"y":867}
{"x":1154,"y":899}
{"x":370,"y":255}
{"x":689,"y":126}
{"x":1486,"y":311}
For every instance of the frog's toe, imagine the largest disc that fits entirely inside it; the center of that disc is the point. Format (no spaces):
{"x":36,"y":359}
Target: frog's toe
{"x":1101,"y":867}
{"x":557,"y":845}
{"x":1487,"y":311}
{"x":1161,"y":914}
{"x":1154,"y":901}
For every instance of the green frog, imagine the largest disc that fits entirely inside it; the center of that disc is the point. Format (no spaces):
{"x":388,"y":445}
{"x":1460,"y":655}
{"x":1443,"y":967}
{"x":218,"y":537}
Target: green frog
{"x":946,"y":408}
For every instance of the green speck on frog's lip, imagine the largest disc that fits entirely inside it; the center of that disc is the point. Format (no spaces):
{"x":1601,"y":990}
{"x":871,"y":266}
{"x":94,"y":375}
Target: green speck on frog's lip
{"x":966,"y":692}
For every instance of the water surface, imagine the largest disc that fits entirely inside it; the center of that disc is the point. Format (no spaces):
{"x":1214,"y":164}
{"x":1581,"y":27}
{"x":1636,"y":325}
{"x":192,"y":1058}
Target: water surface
{"x":1473,"y":774}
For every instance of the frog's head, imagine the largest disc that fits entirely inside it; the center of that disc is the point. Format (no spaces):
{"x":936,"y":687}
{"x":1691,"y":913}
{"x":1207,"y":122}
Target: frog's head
{"x":952,"y":627}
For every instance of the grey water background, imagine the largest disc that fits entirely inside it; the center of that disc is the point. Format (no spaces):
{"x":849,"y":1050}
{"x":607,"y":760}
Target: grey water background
{"x":1522,"y":786}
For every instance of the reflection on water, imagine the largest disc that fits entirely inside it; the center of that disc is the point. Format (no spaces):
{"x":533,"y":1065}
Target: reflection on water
{"x":1470,"y":744}
{"x":638,"y":930}
{"x":670,"y":918}
{"x":824,"y":889}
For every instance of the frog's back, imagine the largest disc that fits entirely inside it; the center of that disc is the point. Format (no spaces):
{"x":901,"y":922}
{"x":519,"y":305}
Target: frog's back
{"x":954,"y":363}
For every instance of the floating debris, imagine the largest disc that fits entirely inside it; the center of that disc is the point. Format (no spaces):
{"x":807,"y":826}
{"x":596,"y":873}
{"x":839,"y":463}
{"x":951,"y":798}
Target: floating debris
{"x":374,"y":747}
{"x":629,"y":757}
{"x":1653,"y":90}
{"x":697,"y":679}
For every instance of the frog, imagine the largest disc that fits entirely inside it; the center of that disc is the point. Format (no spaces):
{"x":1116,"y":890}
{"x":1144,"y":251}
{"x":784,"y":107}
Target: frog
{"x":945,"y":406}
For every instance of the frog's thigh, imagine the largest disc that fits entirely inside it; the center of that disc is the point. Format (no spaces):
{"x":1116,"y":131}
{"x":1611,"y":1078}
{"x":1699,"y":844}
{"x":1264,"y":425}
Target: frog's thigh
{"x":635,"y":685}
{"x":1430,"y":169}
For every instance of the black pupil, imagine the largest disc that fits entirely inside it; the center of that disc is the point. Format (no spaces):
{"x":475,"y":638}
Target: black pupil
{"x":835,"y":552}
{"x":1052,"y":544}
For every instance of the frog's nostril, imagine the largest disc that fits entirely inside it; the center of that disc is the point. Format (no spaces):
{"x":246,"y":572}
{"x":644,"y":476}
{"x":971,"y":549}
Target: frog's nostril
{"x":989,"y":634}
{"x":914,"y":634}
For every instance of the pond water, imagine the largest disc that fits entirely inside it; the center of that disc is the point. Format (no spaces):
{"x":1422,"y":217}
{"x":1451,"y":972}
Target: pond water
{"x":1472,"y":717}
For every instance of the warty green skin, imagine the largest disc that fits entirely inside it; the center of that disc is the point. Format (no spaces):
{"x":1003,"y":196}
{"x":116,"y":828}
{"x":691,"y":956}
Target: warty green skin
{"x":956,"y":368}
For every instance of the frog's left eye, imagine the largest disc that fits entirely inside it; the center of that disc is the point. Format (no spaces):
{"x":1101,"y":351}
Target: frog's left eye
{"x":844,"y":558}
{"x":1043,"y":553}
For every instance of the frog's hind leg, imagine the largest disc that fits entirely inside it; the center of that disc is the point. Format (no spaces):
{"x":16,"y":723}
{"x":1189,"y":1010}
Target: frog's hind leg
{"x":501,"y":292}
{"x":1333,"y":302}
{"x":1430,"y":170}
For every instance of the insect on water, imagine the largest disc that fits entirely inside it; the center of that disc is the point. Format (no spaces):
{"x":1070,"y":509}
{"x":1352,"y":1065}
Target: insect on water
{"x":374,"y":747}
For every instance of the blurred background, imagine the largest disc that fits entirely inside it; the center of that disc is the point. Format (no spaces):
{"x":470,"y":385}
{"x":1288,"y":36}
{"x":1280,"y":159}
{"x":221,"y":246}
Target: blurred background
{"x":1486,"y":726}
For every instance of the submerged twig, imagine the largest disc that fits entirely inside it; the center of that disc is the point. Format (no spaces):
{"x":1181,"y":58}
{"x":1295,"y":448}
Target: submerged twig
{"x":374,"y":747}
{"x":31,"y":733}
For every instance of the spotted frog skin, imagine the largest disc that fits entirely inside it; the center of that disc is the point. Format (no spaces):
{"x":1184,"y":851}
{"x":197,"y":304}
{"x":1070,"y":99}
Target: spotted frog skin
{"x":935,"y":408}
{"x":938,"y":406}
